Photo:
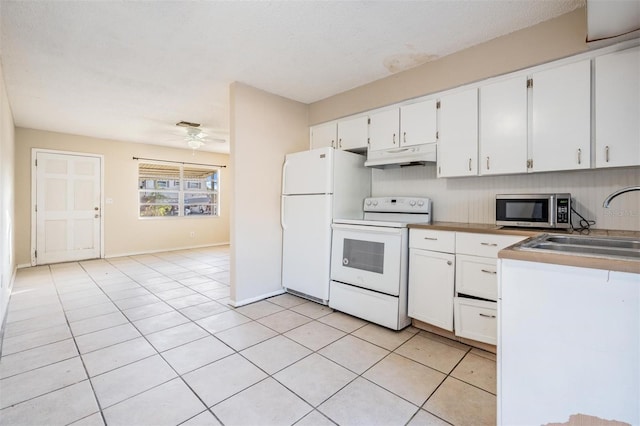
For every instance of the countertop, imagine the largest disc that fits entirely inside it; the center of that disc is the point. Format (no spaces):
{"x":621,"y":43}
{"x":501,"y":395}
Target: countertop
{"x":513,"y":252}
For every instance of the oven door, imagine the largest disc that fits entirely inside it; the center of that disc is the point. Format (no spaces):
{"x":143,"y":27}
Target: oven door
{"x":367,"y":257}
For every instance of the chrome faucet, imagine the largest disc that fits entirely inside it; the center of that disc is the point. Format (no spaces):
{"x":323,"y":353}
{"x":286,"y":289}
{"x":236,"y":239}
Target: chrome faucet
{"x":613,"y":195}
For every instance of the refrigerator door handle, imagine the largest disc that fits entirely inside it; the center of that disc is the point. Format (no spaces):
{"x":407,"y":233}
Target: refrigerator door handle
{"x":284,"y":174}
{"x":282,"y":213}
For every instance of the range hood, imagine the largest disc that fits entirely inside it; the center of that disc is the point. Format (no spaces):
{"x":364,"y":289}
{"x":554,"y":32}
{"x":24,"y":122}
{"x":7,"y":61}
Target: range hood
{"x":403,"y":156}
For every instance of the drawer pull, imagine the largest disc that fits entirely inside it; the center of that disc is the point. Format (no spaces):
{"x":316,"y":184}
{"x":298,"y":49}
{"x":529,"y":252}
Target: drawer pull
{"x":431,"y":238}
{"x":487,"y":316}
{"x":489,"y":244}
{"x":486,"y":271}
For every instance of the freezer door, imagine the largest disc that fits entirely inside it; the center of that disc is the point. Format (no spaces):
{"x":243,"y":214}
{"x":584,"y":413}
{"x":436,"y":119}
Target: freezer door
{"x":306,"y":245}
{"x":308,"y":172}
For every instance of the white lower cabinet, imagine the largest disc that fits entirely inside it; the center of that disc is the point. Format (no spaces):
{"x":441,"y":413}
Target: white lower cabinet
{"x":453,"y":282}
{"x":476,"y":319}
{"x":431,"y":286}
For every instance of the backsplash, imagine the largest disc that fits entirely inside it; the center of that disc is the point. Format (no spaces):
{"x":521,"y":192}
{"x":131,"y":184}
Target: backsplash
{"x":472,"y":199}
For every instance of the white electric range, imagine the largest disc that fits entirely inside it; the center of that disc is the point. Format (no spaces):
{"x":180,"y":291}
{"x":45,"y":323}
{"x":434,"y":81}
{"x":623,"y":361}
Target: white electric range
{"x":370,"y":260}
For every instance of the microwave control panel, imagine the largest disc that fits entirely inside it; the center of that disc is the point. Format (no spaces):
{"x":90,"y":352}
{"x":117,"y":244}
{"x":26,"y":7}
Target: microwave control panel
{"x":563,"y":210}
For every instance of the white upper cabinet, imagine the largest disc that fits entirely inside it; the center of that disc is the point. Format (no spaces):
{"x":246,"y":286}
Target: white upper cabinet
{"x":561,"y":118}
{"x":503,"y":127}
{"x":384,"y":129}
{"x":412,"y":124}
{"x":353,"y":133}
{"x":418,"y":123}
{"x":458,"y":134}
{"x":617,"y":109}
{"x":324,"y":135}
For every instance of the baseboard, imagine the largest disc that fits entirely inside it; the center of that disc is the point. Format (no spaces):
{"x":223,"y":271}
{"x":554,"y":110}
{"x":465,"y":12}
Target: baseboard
{"x":6,"y":310}
{"x":237,"y":304}
{"x":450,"y":335}
{"x":137,"y":253}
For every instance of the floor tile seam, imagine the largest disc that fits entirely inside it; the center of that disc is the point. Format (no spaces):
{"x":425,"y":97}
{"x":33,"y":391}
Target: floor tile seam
{"x":4,"y":353}
{"x":123,"y":365}
{"x":111,"y":345}
{"x":106,"y":407}
{"x":433,"y":414}
{"x":42,"y":366}
{"x":276,"y":372}
{"x":84,"y":366}
{"x":344,"y":331}
{"x":444,"y":340}
{"x":35,"y":308}
{"x":206,"y":410}
{"x":421,"y":363}
{"x":426,"y":365}
{"x":43,"y":394}
{"x":361,"y":375}
{"x":472,"y":385}
{"x":373,"y":343}
{"x":33,"y":331}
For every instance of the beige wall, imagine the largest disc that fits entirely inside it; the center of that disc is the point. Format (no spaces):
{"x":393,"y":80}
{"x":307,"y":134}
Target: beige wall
{"x":553,"y":39}
{"x":264,"y":127}
{"x":7,"y":211}
{"x":124,"y":232}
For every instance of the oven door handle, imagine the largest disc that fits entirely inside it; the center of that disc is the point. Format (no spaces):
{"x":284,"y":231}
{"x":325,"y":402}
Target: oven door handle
{"x":367,"y":229}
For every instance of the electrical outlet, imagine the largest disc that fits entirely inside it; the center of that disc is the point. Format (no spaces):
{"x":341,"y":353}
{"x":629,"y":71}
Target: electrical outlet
{"x":192,"y":234}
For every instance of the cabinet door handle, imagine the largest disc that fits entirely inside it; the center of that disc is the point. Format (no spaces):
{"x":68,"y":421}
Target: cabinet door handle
{"x":579,"y":156}
{"x":606,"y":153}
{"x":469,"y":164}
{"x":431,"y":238}
{"x":489,"y":244}
{"x":486,"y":315}
{"x":449,"y":262}
{"x":394,"y":138}
{"x":486,"y":271}
{"x":404,"y":137}
{"x":487,"y":163}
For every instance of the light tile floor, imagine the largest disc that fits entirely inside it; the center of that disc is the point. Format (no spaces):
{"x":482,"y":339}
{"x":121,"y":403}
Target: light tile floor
{"x":151,"y":340}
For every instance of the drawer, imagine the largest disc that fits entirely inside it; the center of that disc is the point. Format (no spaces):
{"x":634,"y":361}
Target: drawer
{"x":476,"y":319}
{"x":428,"y":239}
{"x":485,"y":245}
{"x":476,"y":276}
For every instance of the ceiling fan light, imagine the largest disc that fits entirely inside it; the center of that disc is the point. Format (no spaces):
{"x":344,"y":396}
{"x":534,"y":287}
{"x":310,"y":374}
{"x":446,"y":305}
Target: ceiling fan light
{"x":194,"y":144}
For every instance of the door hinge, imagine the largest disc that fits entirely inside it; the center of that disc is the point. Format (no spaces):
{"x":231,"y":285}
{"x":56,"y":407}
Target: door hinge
{"x":438,"y":105}
{"x":529,"y":83}
{"x":36,"y":162}
{"x":35,"y":254}
{"x":529,"y":164}
{"x":36,"y":206}
{"x":368,"y":120}
{"x":437,"y":135}
{"x":368,"y":141}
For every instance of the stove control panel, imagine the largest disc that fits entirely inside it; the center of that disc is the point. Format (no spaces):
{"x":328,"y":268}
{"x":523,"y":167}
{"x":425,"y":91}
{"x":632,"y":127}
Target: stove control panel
{"x":397,"y":204}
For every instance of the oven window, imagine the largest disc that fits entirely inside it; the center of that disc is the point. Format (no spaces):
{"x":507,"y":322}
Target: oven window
{"x":364,"y":255}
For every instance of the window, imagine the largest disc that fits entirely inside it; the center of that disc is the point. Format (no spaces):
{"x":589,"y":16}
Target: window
{"x":177,"y":190}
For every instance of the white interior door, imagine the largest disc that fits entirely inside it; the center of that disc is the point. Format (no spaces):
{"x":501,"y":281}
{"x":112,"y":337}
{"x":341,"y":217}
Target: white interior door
{"x":68,"y":200}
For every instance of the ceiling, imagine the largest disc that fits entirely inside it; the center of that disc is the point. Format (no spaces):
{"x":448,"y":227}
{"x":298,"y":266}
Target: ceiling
{"x":130,"y":70}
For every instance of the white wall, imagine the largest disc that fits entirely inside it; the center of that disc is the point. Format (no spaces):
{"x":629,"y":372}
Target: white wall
{"x":124,"y":232}
{"x":7,"y":210}
{"x":472,"y":199}
{"x":264,"y":127}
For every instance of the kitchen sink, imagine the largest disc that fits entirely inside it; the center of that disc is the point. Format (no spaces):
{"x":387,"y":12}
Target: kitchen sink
{"x":624,"y":243}
{"x":609,"y":247}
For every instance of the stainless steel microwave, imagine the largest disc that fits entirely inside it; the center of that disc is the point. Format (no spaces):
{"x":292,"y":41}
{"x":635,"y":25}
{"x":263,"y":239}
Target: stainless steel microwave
{"x":534,"y":210}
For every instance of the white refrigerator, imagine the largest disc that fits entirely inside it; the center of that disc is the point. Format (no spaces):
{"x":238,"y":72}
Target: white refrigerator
{"x":317,"y":186}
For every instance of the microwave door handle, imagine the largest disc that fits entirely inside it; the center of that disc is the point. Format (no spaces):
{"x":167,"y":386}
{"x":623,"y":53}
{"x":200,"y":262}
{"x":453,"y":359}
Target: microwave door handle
{"x":552,"y":211}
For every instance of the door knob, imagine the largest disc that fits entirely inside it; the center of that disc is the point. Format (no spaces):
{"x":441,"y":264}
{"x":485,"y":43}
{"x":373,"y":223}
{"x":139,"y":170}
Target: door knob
{"x":96,"y":208}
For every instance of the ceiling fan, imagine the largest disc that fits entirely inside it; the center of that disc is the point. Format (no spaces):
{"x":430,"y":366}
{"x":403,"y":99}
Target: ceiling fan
{"x":196,"y":137}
